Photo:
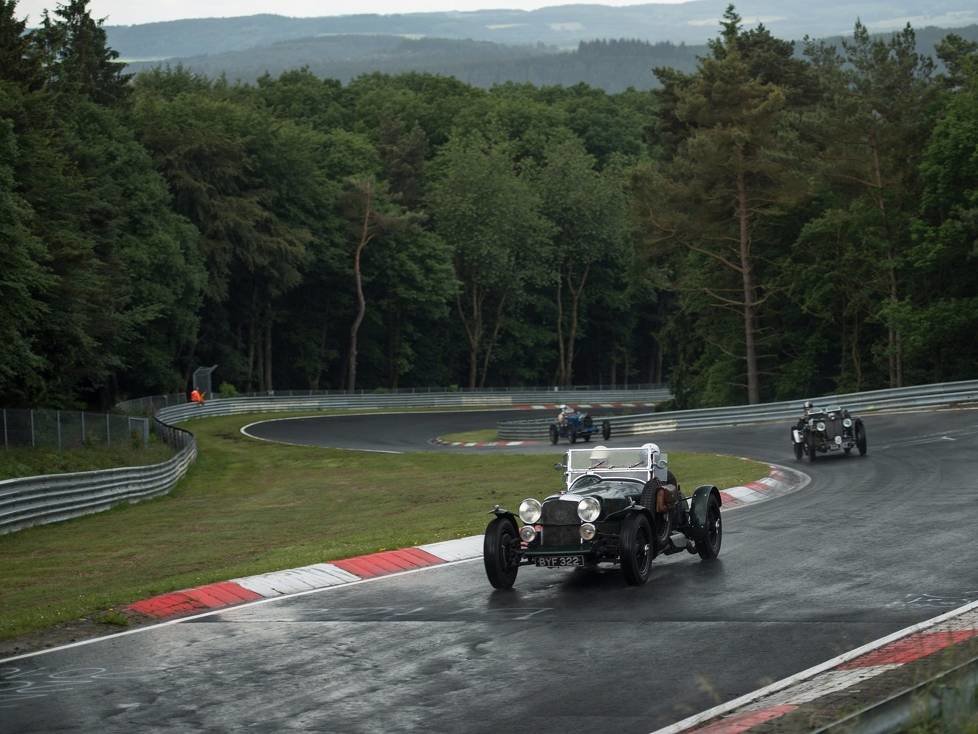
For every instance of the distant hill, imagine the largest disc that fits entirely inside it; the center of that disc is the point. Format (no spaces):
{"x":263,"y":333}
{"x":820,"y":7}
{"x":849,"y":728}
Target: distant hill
{"x":561,"y":26}
{"x":610,"y":65}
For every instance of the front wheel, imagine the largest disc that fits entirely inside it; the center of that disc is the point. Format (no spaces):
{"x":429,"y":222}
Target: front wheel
{"x":799,"y":451}
{"x":636,"y":549}
{"x":554,"y":434}
{"x":573,"y":437}
{"x":605,"y":430}
{"x":499,"y":553}
{"x":861,"y":439}
{"x":709,"y":546}
{"x":811,"y":447}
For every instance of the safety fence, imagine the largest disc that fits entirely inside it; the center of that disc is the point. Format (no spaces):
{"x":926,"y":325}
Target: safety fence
{"x":37,"y":500}
{"x":176,"y":412}
{"x":414,"y":397}
{"x":920,"y":396}
{"x":69,"y":429}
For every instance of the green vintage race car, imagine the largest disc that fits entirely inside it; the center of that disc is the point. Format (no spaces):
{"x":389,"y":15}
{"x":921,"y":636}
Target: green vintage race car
{"x":620,"y":506}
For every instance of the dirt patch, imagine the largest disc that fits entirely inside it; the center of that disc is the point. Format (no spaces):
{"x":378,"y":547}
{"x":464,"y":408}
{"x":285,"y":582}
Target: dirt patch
{"x":74,"y":631}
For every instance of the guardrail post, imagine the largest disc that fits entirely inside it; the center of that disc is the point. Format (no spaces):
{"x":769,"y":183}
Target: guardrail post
{"x":145,"y":432}
{"x":32,"y":429}
{"x":5,"y":445}
{"x":58,"y":416}
{"x":108,"y":431}
{"x":83,"y":428}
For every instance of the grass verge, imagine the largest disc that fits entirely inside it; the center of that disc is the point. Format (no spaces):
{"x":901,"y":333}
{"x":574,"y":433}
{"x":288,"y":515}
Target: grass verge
{"x":16,"y":463}
{"x":248,"y":507}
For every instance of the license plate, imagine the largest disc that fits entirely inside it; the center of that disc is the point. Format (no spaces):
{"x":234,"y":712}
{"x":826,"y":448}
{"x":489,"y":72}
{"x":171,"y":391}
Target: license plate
{"x":560,"y":561}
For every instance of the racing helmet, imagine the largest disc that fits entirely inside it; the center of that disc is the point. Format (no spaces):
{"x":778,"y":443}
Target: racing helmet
{"x":808,"y":406}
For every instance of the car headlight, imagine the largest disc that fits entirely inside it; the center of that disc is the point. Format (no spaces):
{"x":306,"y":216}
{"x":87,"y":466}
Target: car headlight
{"x":588,"y":531}
{"x":820,"y":426}
{"x":588,"y":509}
{"x":530,"y":511}
{"x":527,"y":533}
{"x":847,"y":422}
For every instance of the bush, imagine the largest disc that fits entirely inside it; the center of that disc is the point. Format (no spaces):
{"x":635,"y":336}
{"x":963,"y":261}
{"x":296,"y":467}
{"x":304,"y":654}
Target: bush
{"x":227,"y":390}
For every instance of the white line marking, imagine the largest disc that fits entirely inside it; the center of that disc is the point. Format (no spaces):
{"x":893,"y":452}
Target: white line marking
{"x":224,"y":610}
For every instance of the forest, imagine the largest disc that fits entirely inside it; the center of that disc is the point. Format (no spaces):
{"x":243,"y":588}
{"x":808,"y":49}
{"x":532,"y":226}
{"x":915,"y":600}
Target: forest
{"x":762,"y":226}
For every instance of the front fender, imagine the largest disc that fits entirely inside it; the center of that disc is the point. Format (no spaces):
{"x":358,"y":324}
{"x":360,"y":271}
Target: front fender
{"x":501,"y":512}
{"x":698,"y":506}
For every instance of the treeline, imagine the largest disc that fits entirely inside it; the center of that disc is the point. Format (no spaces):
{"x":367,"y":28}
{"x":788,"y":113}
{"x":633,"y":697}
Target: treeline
{"x":763,"y":227}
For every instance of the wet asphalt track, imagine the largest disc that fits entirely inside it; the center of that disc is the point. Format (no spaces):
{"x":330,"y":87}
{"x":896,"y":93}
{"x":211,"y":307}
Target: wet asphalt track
{"x":871,"y":546}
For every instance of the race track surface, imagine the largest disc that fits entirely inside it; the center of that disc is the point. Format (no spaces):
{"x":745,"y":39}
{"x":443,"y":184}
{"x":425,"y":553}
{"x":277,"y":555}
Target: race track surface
{"x":870,"y":546}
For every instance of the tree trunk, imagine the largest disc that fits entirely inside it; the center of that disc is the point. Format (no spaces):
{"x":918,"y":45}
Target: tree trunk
{"x":473,"y":330}
{"x":572,"y":331}
{"x":560,"y":329}
{"x":492,"y":340}
{"x":365,"y":237}
{"x":269,"y":385}
{"x":750,"y":329}
{"x":893,"y":334}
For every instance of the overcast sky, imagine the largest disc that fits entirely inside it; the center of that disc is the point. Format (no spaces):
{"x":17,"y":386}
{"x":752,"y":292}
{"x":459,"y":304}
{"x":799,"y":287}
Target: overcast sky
{"x":127,"y":12}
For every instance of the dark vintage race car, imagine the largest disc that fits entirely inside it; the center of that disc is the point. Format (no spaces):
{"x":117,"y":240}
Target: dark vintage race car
{"x":619,"y":506}
{"x":824,"y":430}
{"x":577,"y":425}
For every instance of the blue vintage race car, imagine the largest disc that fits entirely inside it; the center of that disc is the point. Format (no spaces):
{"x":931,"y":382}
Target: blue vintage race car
{"x":578,"y":425}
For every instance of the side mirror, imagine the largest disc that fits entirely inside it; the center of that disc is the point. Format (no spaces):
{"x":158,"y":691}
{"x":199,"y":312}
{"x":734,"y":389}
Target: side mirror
{"x":560,"y":467}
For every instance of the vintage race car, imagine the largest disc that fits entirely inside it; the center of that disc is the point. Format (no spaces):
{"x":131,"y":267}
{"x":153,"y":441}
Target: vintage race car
{"x":578,"y":425}
{"x":823,"y":430}
{"x":619,"y":506}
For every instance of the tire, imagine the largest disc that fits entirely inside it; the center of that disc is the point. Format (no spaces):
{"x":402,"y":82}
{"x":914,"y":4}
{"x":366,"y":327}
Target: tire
{"x":636,"y":549}
{"x":811,"y":447}
{"x":554,"y":435}
{"x":573,"y":437}
{"x":605,"y":430}
{"x":501,"y":567}
{"x":709,"y":547}
{"x":799,"y":451}
{"x":861,"y":438}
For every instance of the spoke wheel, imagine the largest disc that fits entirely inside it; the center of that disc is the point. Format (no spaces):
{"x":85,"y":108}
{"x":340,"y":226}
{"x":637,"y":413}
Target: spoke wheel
{"x":636,"y":549}
{"x":861,"y":439}
{"x":709,"y":546}
{"x":500,"y":553}
{"x":554,"y":435}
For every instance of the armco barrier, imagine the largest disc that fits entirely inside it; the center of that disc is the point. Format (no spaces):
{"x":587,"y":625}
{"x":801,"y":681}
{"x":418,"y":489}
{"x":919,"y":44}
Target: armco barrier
{"x":50,"y":498}
{"x":948,"y":393}
{"x":54,"y":497}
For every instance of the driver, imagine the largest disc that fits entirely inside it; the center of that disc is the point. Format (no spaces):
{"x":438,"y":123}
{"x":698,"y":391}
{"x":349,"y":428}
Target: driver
{"x":563,"y":415}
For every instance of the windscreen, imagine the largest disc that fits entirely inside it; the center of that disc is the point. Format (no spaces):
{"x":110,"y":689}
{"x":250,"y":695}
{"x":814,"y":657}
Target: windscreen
{"x":609,"y":462}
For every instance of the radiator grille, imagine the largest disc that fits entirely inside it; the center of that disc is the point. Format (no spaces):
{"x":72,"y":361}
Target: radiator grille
{"x":560,"y":535}
{"x":559,"y":512}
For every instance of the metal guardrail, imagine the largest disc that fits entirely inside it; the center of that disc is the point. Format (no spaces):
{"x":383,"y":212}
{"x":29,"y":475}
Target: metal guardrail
{"x":51,"y":498}
{"x":920,"y":396}
{"x":54,"y":497}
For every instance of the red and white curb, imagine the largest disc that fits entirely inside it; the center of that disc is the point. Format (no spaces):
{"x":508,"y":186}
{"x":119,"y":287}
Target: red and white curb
{"x":838,"y":674}
{"x":483,"y":444}
{"x":780,"y":480}
{"x":323,"y":575}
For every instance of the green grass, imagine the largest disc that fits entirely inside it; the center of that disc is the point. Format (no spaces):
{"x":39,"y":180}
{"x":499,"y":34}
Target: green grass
{"x":248,"y":507}
{"x":31,"y":462}
{"x":485,"y":434}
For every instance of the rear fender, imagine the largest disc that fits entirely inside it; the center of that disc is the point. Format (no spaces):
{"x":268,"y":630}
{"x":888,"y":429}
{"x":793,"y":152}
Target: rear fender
{"x":697,"y":509}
